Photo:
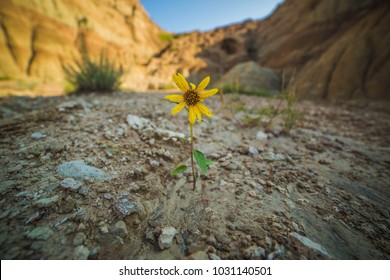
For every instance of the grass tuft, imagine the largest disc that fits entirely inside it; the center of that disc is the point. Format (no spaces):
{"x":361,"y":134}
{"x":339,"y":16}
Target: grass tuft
{"x":89,"y":75}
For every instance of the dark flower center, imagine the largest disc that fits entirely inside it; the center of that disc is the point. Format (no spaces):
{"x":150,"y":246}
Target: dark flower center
{"x":191,"y":97}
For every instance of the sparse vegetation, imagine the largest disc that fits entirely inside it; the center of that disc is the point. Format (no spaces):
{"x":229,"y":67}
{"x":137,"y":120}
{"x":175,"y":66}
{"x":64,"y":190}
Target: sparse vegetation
{"x":166,"y":37}
{"x":290,"y":114}
{"x":89,"y":75}
{"x":285,"y":110}
{"x":261,"y":116}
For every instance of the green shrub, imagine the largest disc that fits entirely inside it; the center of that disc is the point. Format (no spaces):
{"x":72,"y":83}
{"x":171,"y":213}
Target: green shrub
{"x":166,"y":37}
{"x":89,"y":75}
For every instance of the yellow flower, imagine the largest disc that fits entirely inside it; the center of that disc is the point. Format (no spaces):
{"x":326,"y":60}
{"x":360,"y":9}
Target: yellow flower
{"x":192,"y":97}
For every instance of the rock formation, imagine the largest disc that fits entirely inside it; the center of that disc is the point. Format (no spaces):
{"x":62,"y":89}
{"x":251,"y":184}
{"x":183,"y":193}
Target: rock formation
{"x":323,"y":49}
{"x":326,"y":49}
{"x":37,"y":37}
{"x":339,"y":49}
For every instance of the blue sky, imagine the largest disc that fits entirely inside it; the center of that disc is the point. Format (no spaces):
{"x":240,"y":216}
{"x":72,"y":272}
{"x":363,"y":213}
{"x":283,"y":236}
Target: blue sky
{"x":188,"y":15}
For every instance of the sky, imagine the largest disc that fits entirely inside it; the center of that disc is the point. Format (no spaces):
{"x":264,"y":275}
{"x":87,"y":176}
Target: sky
{"x":189,"y":15}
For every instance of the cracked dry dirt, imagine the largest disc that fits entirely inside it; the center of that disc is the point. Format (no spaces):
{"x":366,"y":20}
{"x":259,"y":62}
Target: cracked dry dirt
{"x":320,"y":192}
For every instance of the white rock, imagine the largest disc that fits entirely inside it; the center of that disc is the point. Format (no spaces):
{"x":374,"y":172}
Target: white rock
{"x":108,"y":196}
{"x":271,"y":156}
{"x":309,"y":244}
{"x":70,"y":184}
{"x":261,"y":135}
{"x":104,"y":229}
{"x":79,"y":170}
{"x":253,"y":150}
{"x":166,"y":237}
{"x":169,"y":134}
{"x":77,"y":104}
{"x":38,"y":135}
{"x":139,"y":123}
{"x":81,"y":252}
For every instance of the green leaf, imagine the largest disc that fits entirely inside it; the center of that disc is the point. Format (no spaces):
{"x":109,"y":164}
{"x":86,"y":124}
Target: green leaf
{"x":209,"y":162}
{"x":201,"y":160}
{"x":179,"y":169}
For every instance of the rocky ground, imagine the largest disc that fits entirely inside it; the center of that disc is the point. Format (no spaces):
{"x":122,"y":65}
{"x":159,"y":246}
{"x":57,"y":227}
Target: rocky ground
{"x":88,"y":177}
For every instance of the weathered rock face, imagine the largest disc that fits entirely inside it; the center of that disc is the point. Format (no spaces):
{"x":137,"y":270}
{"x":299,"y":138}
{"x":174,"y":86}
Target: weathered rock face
{"x":198,"y":54}
{"x":37,"y":37}
{"x":337,"y":48}
{"x":326,"y":49}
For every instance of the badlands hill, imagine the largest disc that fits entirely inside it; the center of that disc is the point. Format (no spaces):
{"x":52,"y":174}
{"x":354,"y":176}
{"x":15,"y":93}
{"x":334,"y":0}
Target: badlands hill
{"x":332,"y":49}
{"x":38,"y":37}
{"x":324,"y":49}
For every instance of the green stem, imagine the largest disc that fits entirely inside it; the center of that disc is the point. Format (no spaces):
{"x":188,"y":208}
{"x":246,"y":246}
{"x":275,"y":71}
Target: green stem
{"x":192,"y":156}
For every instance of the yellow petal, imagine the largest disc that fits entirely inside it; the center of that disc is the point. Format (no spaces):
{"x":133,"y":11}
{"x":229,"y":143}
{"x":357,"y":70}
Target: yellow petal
{"x":203,"y":84}
{"x":174,"y":98}
{"x":208,"y":93}
{"x":198,"y":113}
{"x":183,"y":82}
{"x":204,"y":110}
{"x":178,"y":108}
{"x":193,"y":86}
{"x":191,"y":114}
{"x":182,"y":85}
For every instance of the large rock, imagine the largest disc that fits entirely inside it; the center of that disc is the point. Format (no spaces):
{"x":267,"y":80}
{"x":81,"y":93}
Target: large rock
{"x":252,"y":76}
{"x":79,"y":170}
{"x":166,"y":237}
{"x":36,"y":37}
